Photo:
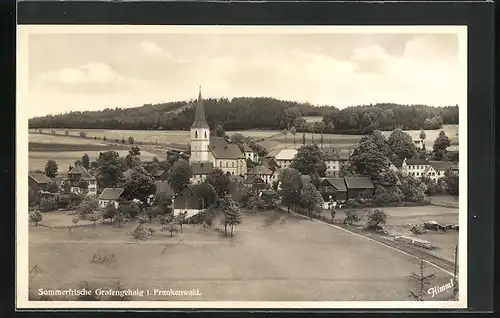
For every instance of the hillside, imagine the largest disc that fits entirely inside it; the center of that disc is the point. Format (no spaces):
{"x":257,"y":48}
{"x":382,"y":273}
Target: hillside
{"x":256,"y":113}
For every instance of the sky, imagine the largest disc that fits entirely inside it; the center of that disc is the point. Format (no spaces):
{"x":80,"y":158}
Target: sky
{"x":85,"y":71}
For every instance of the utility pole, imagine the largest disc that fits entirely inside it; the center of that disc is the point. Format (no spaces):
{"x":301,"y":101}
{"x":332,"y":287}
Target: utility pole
{"x":455,"y":265}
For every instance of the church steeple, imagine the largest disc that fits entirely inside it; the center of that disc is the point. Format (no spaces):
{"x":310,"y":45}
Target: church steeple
{"x":199,"y":120}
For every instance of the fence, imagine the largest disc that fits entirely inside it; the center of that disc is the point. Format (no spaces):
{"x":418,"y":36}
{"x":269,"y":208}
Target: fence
{"x":313,"y":215}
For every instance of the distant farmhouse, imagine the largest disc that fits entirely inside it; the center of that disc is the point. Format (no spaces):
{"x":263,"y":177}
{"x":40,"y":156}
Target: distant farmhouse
{"x":189,"y":200}
{"x":282,"y":157}
{"x":79,"y":174}
{"x":342,"y":189}
{"x":434,"y":170}
{"x":208,"y":152}
{"x":110,"y":195}
{"x":38,"y":181}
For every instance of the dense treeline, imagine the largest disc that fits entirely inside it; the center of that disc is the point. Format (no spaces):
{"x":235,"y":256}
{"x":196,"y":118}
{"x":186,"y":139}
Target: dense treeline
{"x":255,"y":113}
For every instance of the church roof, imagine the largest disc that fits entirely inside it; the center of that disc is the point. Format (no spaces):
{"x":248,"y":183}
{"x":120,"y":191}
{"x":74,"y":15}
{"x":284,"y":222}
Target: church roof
{"x":199,"y":119}
{"x":221,"y":149}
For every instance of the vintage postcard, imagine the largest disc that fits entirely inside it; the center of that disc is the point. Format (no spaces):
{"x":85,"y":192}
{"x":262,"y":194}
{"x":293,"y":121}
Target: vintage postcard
{"x":241,"y":167}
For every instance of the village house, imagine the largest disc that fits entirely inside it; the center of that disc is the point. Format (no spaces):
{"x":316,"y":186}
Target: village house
{"x":282,"y":157}
{"x":215,"y":150}
{"x":333,"y":189}
{"x":157,"y":173}
{"x":250,"y":154}
{"x":75,"y":176}
{"x":200,"y":171}
{"x":189,"y":200}
{"x":357,"y":185}
{"x":254,"y":182}
{"x":162,"y":187}
{"x":343,"y":159}
{"x":332,"y":162}
{"x":419,"y":168}
{"x":263,"y":172}
{"x":110,"y":195}
{"x":38,"y":181}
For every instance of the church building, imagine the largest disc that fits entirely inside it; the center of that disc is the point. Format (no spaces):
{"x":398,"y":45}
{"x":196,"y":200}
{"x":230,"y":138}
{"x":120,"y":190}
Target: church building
{"x":209,"y":152}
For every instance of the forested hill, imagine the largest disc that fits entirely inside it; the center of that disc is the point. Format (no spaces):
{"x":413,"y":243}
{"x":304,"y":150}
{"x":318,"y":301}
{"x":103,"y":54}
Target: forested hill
{"x":255,"y":113}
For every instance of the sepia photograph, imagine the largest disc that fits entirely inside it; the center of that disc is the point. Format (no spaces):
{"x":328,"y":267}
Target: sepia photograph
{"x":241,"y":167}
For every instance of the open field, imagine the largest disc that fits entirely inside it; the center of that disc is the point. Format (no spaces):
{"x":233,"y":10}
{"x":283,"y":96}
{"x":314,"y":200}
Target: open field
{"x":65,"y":150}
{"x":279,"y":140}
{"x":273,"y":256}
{"x":399,"y":217}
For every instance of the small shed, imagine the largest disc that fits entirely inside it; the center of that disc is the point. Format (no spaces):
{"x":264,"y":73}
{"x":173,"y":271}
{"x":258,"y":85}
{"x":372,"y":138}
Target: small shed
{"x":357,"y":185}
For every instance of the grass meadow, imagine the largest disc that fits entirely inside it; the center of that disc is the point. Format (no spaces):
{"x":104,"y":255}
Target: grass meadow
{"x":274,"y":256}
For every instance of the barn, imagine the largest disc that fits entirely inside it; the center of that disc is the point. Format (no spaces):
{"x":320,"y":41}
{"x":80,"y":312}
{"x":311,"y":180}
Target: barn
{"x":357,"y":185}
{"x":333,"y":189}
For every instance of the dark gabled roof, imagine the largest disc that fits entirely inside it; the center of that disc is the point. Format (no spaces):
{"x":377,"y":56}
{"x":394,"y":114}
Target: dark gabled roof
{"x":111,"y":194}
{"x":413,"y":162}
{"x":260,"y":170}
{"x":338,"y":183}
{"x":39,"y":178}
{"x":202,"y":167}
{"x":253,"y":179}
{"x":163,"y":187}
{"x":155,"y":172}
{"x":440,"y":165}
{"x":273,"y":153}
{"x":221,"y":149}
{"x":199,"y":119}
{"x":358,"y":183}
{"x":330,"y":154}
{"x":80,"y":170}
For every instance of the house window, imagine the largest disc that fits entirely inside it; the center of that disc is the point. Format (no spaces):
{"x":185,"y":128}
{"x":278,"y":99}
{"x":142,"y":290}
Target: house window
{"x":220,"y":164}
{"x":232,"y":164}
{"x":227,"y":164}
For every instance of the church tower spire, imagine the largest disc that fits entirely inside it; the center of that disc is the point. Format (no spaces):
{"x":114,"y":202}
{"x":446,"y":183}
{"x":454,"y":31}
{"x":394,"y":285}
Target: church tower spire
{"x":199,"y":119}
{"x":200,"y":134}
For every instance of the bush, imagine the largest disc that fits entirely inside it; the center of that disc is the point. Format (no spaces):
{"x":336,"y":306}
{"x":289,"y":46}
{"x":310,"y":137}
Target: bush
{"x":36,"y":217}
{"x":139,"y":233}
{"x":83,"y":134}
{"x":417,"y":228}
{"x":376,"y":219}
{"x":104,"y":138}
{"x":48,"y":204}
{"x":131,"y":140}
{"x":352,"y":217}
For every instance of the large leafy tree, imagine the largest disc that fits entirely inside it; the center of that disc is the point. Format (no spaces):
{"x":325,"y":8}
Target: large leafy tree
{"x":51,"y":168}
{"x":311,"y":199}
{"x":442,"y":142}
{"x":110,"y":167}
{"x":85,"y":161}
{"x":367,"y":160}
{"x":380,"y":141}
{"x":220,"y":181}
{"x":291,"y":185}
{"x":179,"y":175}
{"x":401,"y":144}
{"x":309,"y":159}
{"x":140,"y":185}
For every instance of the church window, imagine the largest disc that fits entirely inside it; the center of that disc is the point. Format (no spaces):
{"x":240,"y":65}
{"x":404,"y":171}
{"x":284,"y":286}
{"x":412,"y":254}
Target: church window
{"x":195,"y":134}
{"x":205,"y":134}
{"x":220,"y":164}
